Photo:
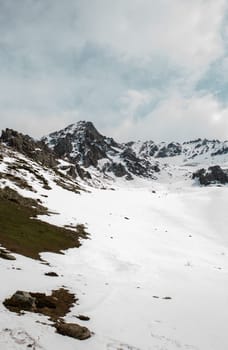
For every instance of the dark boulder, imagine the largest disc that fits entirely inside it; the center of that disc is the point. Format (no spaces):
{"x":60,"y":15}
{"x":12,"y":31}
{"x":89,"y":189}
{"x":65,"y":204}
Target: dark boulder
{"x":83,"y":318}
{"x":73,"y":330}
{"x":51,"y":274}
{"x":4,"y":254}
{"x":21,"y":300}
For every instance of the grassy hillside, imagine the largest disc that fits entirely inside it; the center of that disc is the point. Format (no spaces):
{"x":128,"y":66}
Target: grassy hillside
{"x":22,"y":233}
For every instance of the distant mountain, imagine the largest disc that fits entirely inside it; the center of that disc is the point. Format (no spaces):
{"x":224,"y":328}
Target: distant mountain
{"x":82,"y":144}
{"x":188,"y":150}
{"x":80,"y":151}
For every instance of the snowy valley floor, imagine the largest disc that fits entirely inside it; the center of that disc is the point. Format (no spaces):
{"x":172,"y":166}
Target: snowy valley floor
{"x":152,"y":276}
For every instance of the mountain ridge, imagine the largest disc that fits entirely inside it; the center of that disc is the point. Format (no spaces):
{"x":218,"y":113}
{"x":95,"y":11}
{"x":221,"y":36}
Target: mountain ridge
{"x":82,"y":143}
{"x":81,"y":151}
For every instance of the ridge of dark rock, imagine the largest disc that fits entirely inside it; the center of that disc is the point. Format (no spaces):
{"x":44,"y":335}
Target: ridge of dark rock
{"x":36,"y":150}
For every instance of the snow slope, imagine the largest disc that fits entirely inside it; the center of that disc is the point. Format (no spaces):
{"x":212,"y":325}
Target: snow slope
{"x":143,"y":248}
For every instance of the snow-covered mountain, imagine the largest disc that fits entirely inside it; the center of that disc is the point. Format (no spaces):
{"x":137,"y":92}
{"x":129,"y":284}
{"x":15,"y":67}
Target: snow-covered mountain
{"x":82,"y":144}
{"x":153,"y":273}
{"x":188,"y":150}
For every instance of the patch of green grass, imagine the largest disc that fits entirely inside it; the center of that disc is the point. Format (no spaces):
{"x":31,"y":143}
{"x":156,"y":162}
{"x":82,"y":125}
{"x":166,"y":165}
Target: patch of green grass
{"x":21,"y":233}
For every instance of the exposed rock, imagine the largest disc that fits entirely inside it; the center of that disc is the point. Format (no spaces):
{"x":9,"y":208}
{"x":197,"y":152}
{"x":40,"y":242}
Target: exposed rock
{"x":138,"y":165}
{"x":4,"y":254}
{"x":83,"y":318}
{"x":222,"y":150}
{"x":80,"y":143}
{"x":51,"y":274}
{"x":36,"y":150}
{"x":73,"y":330}
{"x":76,"y":170}
{"x":148,"y":148}
{"x":84,"y":146}
{"x":44,"y":301}
{"x":55,"y":306}
{"x":214,"y":174}
{"x":171,"y":150}
{"x":21,"y":301}
{"x":82,"y":173}
{"x":63,"y":146}
{"x":117,"y":169}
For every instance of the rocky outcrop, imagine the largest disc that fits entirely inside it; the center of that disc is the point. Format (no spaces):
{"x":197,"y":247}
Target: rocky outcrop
{"x":170,"y":150}
{"x":214,"y":174}
{"x":137,"y":165}
{"x":21,"y":300}
{"x":56,"y":306}
{"x":221,"y":151}
{"x":75,"y":171}
{"x":63,"y":147}
{"x":118,"y":169}
{"x":5,"y":254}
{"x":39,"y":151}
{"x":36,"y":150}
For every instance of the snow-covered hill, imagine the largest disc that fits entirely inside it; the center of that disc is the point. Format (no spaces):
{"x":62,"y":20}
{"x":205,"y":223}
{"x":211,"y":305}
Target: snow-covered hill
{"x":153,"y":273}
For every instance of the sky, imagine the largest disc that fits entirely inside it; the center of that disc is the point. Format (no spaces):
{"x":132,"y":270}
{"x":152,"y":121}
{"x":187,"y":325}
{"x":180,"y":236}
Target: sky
{"x":138,"y":69}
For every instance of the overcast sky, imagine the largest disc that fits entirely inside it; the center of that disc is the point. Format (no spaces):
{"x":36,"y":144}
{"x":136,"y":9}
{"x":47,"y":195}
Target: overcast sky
{"x":138,"y":69}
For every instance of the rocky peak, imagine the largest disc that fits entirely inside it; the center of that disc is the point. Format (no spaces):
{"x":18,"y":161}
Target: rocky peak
{"x":81,"y":142}
{"x":89,"y":132}
{"x":81,"y":130}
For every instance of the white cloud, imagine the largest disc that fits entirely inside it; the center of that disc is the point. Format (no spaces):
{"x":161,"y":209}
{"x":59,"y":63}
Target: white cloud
{"x":132,"y":100}
{"x":177,"y":118}
{"x":130,"y":66}
{"x":188,"y":32}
